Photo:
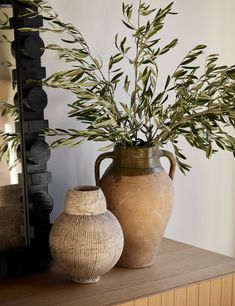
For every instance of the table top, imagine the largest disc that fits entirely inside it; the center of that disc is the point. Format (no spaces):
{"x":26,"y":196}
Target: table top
{"x":177,"y":264}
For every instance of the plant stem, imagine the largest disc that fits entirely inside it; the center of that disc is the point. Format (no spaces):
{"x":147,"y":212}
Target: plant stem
{"x":80,"y":38}
{"x":111,"y":90}
{"x":212,"y":111}
{"x":217,"y":110}
{"x":133,"y":99}
{"x":134,"y":93}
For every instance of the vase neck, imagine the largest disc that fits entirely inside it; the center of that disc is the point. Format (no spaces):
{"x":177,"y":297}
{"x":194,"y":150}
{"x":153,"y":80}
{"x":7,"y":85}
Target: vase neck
{"x":136,"y":157}
{"x":85,"y":200}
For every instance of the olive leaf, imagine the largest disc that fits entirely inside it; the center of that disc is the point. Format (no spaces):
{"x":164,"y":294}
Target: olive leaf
{"x":202,"y":111}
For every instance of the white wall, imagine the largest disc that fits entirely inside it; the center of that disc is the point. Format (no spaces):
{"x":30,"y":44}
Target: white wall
{"x":204,"y":199}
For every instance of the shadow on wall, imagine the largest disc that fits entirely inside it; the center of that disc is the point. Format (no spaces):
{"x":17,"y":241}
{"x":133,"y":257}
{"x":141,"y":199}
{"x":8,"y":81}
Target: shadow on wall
{"x":204,"y":209}
{"x":220,"y":208}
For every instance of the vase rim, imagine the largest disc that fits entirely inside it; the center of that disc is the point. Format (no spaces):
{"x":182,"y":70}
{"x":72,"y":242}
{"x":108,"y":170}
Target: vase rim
{"x":138,"y":151}
{"x":85,"y":200}
{"x":137,"y":156}
{"x":138,"y":147}
{"x":85,"y":188}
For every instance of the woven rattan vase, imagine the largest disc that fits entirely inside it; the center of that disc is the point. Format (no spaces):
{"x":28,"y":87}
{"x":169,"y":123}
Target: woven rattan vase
{"x":86,"y":240}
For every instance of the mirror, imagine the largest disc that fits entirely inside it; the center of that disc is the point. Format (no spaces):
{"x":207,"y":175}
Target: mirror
{"x":7,"y":124}
{"x":11,"y":217}
{"x":25,"y":204}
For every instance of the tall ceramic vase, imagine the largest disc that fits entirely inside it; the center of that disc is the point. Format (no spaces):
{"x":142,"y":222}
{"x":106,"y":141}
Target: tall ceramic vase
{"x":86,"y":240}
{"x":139,"y":193}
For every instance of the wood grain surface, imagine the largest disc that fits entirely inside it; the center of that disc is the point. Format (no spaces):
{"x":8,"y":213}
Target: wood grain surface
{"x":177,"y":265}
{"x":215,"y":292}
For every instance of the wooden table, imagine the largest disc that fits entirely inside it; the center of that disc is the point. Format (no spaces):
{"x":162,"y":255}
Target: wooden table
{"x":183,"y":275}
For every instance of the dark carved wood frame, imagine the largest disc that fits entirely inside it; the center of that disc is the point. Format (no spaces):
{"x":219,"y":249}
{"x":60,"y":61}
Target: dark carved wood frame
{"x":34,"y":153}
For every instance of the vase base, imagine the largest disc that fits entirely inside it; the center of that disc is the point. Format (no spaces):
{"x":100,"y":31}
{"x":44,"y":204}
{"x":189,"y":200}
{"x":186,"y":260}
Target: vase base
{"x":134,"y":264}
{"x":86,"y":280}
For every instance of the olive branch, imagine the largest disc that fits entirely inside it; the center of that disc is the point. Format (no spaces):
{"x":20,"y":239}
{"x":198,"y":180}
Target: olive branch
{"x":202,"y":108}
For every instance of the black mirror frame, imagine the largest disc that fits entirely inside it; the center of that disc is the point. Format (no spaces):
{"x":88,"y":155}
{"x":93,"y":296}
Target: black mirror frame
{"x":34,"y":152}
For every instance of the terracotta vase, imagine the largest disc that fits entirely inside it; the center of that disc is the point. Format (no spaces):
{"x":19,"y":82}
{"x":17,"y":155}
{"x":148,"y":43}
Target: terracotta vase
{"x":11,"y":217}
{"x":139,"y":193}
{"x":86,"y":240}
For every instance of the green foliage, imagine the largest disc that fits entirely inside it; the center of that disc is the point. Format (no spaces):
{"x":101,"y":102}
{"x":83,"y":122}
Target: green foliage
{"x":201,"y":112}
{"x":9,"y":143}
{"x":9,"y":109}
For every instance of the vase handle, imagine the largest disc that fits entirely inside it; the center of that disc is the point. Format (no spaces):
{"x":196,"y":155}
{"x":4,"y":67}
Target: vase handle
{"x":171,"y":157}
{"x":98,"y":161}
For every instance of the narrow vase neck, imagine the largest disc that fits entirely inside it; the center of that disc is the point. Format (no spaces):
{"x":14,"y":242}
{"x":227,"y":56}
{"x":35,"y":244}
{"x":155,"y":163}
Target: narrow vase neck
{"x":85,"y":200}
{"x":136,"y":157}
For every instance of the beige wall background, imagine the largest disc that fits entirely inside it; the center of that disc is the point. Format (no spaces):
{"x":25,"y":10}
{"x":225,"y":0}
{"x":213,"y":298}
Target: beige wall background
{"x":204,"y":207}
